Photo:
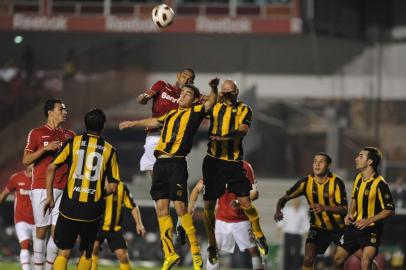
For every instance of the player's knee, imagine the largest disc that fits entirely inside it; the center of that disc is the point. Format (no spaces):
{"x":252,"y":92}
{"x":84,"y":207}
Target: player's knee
{"x":339,"y":260}
{"x":122,"y":256}
{"x":308,"y":260}
{"x":366,"y":262}
{"x":25,"y":244}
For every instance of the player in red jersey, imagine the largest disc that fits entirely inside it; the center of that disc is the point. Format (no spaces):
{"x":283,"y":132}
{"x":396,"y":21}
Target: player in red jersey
{"x":20,"y":184}
{"x":165,"y":97}
{"x":232,"y":225}
{"x":42,"y":145}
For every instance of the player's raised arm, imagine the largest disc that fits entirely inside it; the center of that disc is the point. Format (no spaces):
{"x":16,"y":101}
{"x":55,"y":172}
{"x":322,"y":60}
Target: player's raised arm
{"x":149,"y":122}
{"x":212,"y":99}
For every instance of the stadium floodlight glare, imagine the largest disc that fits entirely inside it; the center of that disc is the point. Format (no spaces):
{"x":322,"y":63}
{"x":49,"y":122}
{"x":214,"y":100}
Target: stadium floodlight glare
{"x":18,"y":39}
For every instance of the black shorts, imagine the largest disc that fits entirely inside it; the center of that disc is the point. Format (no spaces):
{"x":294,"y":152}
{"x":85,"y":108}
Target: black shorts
{"x":218,"y":173}
{"x":322,"y":238}
{"x":67,"y":232}
{"x":115,"y":240}
{"x":169,"y":179}
{"x":354,"y":239}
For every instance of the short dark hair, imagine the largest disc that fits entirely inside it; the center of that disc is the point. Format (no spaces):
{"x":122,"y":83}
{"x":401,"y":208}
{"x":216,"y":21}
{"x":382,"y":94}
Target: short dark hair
{"x":327,"y":156}
{"x":196,"y":91}
{"x":50,"y":105}
{"x":191,"y":71}
{"x":375,"y":155}
{"x":94,"y":120}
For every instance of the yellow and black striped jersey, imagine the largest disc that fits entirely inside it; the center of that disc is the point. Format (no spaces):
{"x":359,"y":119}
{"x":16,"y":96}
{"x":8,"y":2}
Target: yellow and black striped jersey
{"x":179,"y":127}
{"x":91,"y":160}
{"x":224,"y":121}
{"x":112,"y":218}
{"x":331,"y":192}
{"x":371,"y":197}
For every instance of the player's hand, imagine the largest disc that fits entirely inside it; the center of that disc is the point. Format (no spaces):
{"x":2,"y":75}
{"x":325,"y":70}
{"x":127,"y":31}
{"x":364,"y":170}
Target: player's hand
{"x":235,"y":204}
{"x":278,"y":216}
{"x":125,"y":124}
{"x":348,"y":220}
{"x":49,"y":205}
{"x":214,"y":83}
{"x":141,"y":230}
{"x":218,"y":138}
{"x":52,"y":146}
{"x":363,"y":223}
{"x":317,"y":208}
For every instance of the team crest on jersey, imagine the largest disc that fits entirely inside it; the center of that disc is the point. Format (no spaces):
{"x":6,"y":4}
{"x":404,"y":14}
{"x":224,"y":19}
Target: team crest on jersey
{"x":373,"y":240}
{"x":366,"y":192}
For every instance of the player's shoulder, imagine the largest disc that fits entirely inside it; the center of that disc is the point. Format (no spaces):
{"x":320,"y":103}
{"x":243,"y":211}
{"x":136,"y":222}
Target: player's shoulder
{"x":162,"y":84}
{"x":69,"y":132}
{"x":39,"y":130}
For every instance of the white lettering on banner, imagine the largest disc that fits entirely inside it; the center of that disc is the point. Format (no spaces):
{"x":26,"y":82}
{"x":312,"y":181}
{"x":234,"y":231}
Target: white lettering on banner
{"x":129,"y":25}
{"x":24,"y":22}
{"x":168,"y":97}
{"x":223,"y":25}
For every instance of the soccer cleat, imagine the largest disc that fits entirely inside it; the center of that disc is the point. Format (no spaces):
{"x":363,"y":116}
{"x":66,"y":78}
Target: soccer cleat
{"x":170,"y":261}
{"x":180,"y":235}
{"x":213,"y":254}
{"x":197,"y":261}
{"x":262,"y":245}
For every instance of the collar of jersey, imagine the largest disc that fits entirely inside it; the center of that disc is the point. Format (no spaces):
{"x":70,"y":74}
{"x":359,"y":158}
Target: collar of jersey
{"x":329,"y":175}
{"x":375,"y":176}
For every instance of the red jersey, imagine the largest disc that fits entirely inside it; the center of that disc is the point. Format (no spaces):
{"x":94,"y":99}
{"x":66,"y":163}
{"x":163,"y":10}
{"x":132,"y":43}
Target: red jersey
{"x":227,"y":213}
{"x":165,"y":98}
{"x":20,"y":184}
{"x":37,"y":139}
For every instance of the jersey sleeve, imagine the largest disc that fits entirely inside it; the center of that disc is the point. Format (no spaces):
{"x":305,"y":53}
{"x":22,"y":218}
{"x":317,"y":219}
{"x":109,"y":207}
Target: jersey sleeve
{"x":199,"y":110}
{"x":246,"y":116}
{"x":11,"y":184}
{"x":113,"y":172}
{"x":32,"y":143}
{"x":297,"y":189}
{"x":385,"y":196}
{"x":64,"y":154}
{"x":340,"y":195}
{"x":156,"y":88}
{"x":128,"y":199}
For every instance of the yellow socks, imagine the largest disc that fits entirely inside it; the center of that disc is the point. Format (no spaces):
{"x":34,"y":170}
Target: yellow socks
{"x":84,"y":263}
{"x":61,"y":263}
{"x":253,"y":217}
{"x":187,"y":224}
{"x":95,"y":263}
{"x":166,"y":230}
{"x":125,"y":266}
{"x":209,"y":223}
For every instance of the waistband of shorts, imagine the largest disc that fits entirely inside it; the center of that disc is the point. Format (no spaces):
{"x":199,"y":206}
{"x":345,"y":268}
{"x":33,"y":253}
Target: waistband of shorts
{"x":167,"y":159}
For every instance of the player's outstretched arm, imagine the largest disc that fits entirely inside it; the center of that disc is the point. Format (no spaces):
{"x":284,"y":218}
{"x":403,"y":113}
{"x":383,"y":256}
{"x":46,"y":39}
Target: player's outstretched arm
{"x":149,"y":122}
{"x":194,"y":195}
{"x":143,"y":98}
{"x":4,"y":194}
{"x":278,"y":216}
{"x":138,"y":221}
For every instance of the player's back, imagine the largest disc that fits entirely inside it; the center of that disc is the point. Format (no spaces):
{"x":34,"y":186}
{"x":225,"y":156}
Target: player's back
{"x":91,"y":160}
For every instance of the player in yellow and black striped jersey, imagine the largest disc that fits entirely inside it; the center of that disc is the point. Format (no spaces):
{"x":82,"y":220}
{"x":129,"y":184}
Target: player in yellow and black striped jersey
{"x":91,"y":161}
{"x":111,"y":226}
{"x":170,"y":173}
{"x":371,"y":204}
{"x":230,"y":120}
{"x":325,"y":193}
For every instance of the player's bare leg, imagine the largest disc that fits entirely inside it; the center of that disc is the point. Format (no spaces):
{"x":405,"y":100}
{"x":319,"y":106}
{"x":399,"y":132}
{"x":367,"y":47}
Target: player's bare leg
{"x":309,"y":256}
{"x":374,"y":265}
{"x":257,"y":261}
{"x":39,"y":247}
{"x":253,"y":216}
{"x":122,"y":256}
{"x":209,"y":224}
{"x":95,"y":255}
{"x":187,"y":224}
{"x":339,"y":258}
{"x":368,"y":254}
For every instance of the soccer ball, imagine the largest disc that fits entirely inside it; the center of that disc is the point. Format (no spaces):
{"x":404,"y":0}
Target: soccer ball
{"x":162,"y":15}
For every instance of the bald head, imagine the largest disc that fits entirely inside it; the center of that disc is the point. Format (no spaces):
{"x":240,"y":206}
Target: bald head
{"x":228,"y":86}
